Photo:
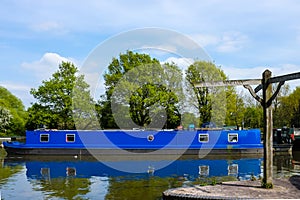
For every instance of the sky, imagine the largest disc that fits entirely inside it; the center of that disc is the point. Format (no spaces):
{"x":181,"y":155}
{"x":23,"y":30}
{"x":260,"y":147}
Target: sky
{"x":242,"y":37}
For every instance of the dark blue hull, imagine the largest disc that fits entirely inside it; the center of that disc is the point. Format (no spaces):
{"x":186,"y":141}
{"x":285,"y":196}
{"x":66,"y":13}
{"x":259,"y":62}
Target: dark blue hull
{"x":75,"y":151}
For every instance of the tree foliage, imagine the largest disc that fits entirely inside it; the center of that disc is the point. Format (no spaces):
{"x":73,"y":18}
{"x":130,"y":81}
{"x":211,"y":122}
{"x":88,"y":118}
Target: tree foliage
{"x":5,"y":119}
{"x":235,"y":114}
{"x":142,"y":103}
{"x":289,"y":109}
{"x":281,"y":111}
{"x":116,"y":69}
{"x":188,"y":118}
{"x":12,"y":114}
{"x":207,"y":100}
{"x":54,"y":106}
{"x":139,"y":93}
{"x":253,"y":116}
{"x":83,"y":106}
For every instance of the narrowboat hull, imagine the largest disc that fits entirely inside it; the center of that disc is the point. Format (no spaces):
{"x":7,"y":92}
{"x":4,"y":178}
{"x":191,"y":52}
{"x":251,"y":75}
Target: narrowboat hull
{"x":74,"y":151}
{"x":296,"y":144}
{"x":201,"y":142}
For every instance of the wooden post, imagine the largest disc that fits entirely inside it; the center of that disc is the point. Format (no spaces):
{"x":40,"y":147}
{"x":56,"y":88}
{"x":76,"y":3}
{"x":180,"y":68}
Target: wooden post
{"x":268,"y":130}
{"x":266,"y":102}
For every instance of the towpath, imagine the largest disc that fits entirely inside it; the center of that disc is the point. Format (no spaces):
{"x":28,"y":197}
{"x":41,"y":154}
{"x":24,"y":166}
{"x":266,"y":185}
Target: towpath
{"x":284,"y":188}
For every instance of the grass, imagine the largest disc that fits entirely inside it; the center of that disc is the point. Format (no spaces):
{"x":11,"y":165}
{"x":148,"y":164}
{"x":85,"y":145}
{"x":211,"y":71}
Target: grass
{"x":213,"y":180}
{"x":2,"y":153}
{"x":266,"y":185}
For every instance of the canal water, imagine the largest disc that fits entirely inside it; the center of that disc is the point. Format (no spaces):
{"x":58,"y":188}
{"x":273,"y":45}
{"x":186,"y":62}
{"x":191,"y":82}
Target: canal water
{"x":61,"y":177}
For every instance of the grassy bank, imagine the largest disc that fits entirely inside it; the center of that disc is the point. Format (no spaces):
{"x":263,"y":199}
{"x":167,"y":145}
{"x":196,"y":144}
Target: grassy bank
{"x":2,"y":153}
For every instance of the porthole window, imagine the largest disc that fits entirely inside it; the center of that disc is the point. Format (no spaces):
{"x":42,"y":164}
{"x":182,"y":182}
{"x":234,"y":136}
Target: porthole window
{"x":44,"y":138}
{"x":70,"y":138}
{"x":150,"y":138}
{"x":233,"y":137}
{"x":203,"y":138}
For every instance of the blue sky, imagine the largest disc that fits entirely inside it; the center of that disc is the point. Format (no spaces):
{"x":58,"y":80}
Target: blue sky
{"x":243,"y":37}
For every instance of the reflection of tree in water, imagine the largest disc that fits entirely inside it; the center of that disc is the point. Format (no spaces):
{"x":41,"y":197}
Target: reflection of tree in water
{"x":8,"y":171}
{"x":146,"y":189}
{"x":66,"y":188}
{"x":153,"y":187}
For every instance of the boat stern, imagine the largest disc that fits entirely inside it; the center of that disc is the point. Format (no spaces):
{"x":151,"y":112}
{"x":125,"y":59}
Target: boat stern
{"x":12,"y":147}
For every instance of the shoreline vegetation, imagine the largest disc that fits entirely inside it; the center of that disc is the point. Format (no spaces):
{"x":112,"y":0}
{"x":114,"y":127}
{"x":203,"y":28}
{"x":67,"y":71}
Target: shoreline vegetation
{"x":2,"y":153}
{"x":55,"y":98}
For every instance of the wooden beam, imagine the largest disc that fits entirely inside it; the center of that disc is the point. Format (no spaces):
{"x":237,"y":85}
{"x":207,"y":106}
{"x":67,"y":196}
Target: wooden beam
{"x":277,"y":79}
{"x":228,"y":83}
{"x":287,"y":77}
{"x":253,"y":94}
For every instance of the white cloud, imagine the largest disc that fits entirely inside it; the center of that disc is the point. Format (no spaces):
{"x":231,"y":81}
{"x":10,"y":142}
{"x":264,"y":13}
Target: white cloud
{"x":256,"y":72}
{"x":46,"y":66}
{"x":49,"y":26}
{"x":205,"y":39}
{"x":42,"y":69}
{"x":232,"y":41}
{"x":162,"y":49}
{"x":243,"y":73}
{"x":15,"y":86}
{"x":284,"y":69}
{"x":182,"y":63}
{"x":227,"y":42}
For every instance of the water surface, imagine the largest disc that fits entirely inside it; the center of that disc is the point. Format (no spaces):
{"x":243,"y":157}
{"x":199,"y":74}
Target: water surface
{"x":37,"y":177}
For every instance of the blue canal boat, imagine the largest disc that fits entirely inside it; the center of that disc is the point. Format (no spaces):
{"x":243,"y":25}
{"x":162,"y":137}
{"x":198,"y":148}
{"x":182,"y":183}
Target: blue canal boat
{"x":87,"y":142}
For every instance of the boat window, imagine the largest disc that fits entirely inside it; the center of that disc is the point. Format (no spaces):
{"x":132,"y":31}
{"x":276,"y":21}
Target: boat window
{"x":71,"y":171}
{"x":45,"y":172}
{"x":70,"y":138}
{"x":204,"y":170}
{"x":232,"y":137}
{"x":44,"y":138}
{"x":233,"y":170}
{"x":203,"y":138}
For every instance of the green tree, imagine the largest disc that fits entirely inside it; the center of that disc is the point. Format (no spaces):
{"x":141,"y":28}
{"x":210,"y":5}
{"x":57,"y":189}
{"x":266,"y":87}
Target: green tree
{"x":12,"y":114}
{"x":279,"y":114}
{"x":188,"y":118}
{"x":235,"y":108}
{"x":116,"y":69}
{"x":139,"y":93}
{"x":289,"y":109}
{"x":253,"y":113}
{"x":207,"y":100}
{"x":149,"y":95}
{"x":54,"y":106}
{"x":5,"y":119}
{"x":254,"y":117}
{"x":83,"y":106}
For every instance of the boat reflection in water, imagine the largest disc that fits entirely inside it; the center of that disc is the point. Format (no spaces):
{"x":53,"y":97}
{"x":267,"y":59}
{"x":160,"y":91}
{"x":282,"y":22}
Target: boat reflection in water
{"x":85,"y":177}
{"x":112,"y":166}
